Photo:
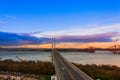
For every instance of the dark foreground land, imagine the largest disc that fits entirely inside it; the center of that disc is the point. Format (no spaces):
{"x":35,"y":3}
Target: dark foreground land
{"x":103,"y":72}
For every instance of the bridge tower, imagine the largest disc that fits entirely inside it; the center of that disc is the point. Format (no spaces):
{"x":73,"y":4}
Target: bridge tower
{"x":53,"y":47}
{"x":53,"y":43}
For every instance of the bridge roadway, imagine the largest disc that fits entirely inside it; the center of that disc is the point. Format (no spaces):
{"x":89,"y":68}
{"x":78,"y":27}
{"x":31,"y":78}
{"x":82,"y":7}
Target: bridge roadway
{"x":66,"y":70}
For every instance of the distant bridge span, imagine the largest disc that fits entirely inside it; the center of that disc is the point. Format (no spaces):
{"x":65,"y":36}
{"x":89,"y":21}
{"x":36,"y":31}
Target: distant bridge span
{"x":114,"y":49}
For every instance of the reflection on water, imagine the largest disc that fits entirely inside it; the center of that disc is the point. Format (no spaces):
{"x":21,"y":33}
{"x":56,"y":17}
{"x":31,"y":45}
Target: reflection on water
{"x":78,"y":57}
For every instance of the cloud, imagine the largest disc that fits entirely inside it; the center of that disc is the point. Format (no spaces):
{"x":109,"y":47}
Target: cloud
{"x":7,"y":38}
{"x":17,"y":39}
{"x":82,"y":30}
{"x":104,"y":37}
{"x":9,"y":16}
{"x":89,"y":33}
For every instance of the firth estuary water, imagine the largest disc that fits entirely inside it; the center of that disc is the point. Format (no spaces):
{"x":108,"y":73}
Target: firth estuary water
{"x":99,"y":57}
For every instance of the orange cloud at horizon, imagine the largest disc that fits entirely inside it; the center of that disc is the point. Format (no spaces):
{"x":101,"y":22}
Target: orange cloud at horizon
{"x":70,"y":45}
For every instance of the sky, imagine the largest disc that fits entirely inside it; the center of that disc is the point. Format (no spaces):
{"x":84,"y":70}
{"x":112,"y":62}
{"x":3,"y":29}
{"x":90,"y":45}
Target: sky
{"x":61,"y":17}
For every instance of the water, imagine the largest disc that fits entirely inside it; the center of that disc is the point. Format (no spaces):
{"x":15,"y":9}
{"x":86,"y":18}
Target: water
{"x":77,"y":57}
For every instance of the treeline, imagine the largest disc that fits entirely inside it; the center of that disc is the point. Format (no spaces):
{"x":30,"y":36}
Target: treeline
{"x":29,"y":67}
{"x":102,"y":72}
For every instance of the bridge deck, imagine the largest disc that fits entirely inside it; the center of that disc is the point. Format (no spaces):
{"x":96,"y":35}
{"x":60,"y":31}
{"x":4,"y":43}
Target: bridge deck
{"x":66,"y":70}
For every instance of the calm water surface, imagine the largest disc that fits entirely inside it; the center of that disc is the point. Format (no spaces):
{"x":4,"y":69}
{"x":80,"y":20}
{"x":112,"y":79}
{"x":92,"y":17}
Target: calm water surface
{"x":77,"y":57}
